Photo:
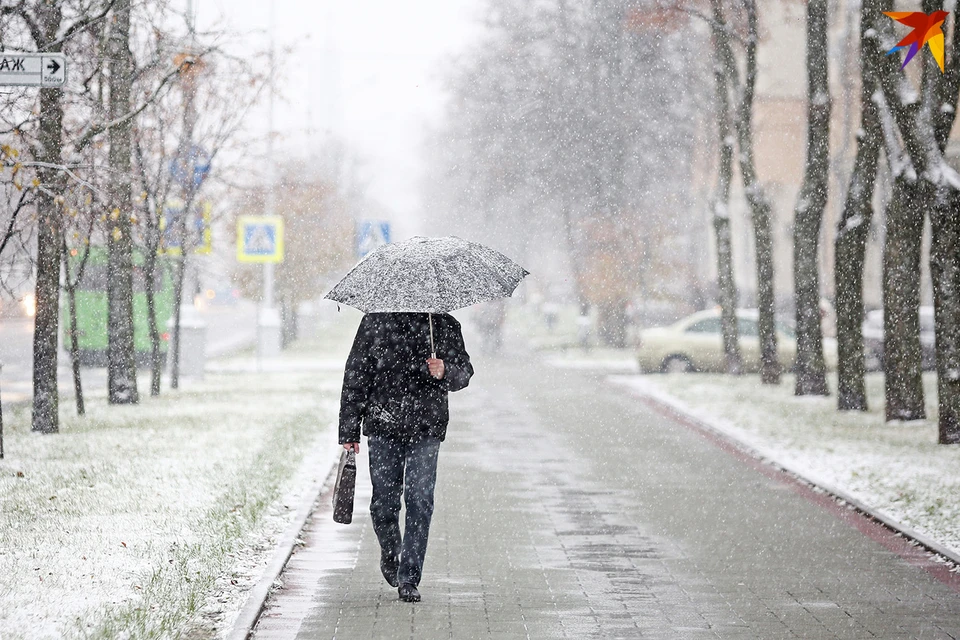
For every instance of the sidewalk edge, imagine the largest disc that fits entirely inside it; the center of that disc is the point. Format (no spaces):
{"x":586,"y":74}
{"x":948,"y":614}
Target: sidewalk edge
{"x":249,"y":615}
{"x":867,"y":510}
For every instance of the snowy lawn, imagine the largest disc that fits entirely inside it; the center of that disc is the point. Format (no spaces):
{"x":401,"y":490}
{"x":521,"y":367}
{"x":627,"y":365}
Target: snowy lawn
{"x":153,"y":521}
{"x":896,"y":468}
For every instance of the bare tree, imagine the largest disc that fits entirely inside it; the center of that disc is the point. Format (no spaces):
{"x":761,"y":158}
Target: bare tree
{"x":808,"y":216}
{"x":927,"y":183}
{"x":121,"y":357}
{"x":760,"y":208}
{"x":943,"y":94}
{"x":852,"y":230}
{"x":726,"y":285}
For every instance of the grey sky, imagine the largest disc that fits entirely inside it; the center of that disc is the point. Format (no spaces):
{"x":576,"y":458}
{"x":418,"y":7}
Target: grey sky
{"x":367,"y":70}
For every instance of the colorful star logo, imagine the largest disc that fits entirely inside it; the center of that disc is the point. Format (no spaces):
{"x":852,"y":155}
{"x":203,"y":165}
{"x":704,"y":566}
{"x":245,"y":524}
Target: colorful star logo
{"x":926,"y":30}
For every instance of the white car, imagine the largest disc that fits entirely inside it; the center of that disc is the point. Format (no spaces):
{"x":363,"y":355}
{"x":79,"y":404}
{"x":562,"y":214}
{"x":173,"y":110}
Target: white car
{"x":873,"y":340}
{"x":696,"y":344}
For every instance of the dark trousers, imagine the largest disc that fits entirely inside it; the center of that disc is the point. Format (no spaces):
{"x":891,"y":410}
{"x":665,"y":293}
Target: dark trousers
{"x":410,"y":469}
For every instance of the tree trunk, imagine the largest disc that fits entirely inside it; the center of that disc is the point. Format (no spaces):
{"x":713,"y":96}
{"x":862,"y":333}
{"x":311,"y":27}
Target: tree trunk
{"x":71,"y":288}
{"x":612,"y":323}
{"x":726,"y":284}
{"x":945,"y":269}
{"x":852,"y":230}
{"x":808,"y":216}
{"x":913,"y":170}
{"x":184,"y":155}
{"x":151,"y":244}
{"x":46,"y":397}
{"x":156,"y":361}
{"x":121,"y":353}
{"x":177,"y":303}
{"x":760,"y":208}
{"x":901,"y":302}
{"x":945,"y":252}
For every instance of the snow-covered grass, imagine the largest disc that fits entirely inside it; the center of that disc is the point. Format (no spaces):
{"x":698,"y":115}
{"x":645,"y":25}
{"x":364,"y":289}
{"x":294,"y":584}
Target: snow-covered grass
{"x":896,"y":468}
{"x":152,"y":521}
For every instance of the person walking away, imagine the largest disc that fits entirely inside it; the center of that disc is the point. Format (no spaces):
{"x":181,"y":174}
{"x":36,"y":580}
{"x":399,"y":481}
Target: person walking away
{"x":396,"y":390}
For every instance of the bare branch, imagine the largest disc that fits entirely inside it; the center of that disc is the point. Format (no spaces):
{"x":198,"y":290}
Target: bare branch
{"x":13,"y":219}
{"x":20,"y":10}
{"x":87,"y":137}
{"x":80,"y":25}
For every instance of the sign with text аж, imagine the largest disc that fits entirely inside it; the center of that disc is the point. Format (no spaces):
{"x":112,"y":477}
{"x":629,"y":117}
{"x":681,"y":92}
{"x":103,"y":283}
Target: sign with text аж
{"x":259,"y":239}
{"x":48,"y":70}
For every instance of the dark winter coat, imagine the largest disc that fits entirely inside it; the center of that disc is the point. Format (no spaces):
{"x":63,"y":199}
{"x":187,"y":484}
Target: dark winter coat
{"x":387,"y":385}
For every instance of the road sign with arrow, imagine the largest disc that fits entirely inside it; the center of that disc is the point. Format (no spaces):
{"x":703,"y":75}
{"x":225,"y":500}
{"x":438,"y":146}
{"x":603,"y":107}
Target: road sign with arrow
{"x":47,"y":70}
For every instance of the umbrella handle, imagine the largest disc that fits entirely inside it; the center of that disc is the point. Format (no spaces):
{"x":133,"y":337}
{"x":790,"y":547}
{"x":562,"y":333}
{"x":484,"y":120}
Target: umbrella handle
{"x":433,"y":350}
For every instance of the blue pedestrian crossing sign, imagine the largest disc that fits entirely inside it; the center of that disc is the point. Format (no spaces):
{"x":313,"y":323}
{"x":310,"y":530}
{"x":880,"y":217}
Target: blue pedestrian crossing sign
{"x":259,"y":239}
{"x":370,"y":235}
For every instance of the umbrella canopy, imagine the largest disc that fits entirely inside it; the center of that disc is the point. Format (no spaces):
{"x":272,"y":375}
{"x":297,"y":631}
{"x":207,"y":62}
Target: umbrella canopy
{"x":429,"y":275}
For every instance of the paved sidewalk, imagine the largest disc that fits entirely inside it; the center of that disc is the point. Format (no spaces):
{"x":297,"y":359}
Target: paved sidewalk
{"x":566,"y":509}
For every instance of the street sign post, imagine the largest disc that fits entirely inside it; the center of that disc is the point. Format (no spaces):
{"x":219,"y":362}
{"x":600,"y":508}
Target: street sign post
{"x":198,"y":228}
{"x":260,"y":239}
{"x":46,"y":70}
{"x":199,"y":236}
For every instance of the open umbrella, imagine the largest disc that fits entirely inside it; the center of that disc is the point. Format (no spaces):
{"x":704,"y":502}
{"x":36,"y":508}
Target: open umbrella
{"x":428,"y":275}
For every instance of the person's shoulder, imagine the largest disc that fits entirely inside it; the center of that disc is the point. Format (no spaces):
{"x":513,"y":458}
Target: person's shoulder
{"x":449,"y":319}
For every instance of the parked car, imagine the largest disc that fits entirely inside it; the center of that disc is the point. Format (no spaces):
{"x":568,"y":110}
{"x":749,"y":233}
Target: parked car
{"x":696,"y":344}
{"x":873,"y":340}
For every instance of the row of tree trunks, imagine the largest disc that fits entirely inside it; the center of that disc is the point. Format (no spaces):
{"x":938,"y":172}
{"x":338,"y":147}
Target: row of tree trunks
{"x":852,"y":229}
{"x":808,"y":216}
{"x":121,"y":355}
{"x":46,"y":399}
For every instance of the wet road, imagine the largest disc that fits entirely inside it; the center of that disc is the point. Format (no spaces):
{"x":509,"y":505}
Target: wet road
{"x":567,"y":509}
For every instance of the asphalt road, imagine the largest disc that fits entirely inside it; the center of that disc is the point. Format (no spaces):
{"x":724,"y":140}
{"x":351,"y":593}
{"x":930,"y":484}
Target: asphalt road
{"x":228,"y":328}
{"x":567,"y":509}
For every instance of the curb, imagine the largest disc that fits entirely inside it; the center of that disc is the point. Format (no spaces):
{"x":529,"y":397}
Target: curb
{"x":863,"y":508}
{"x":249,"y":615}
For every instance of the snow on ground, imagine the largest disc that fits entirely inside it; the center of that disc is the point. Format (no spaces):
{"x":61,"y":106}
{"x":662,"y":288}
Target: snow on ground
{"x":595,"y":359}
{"x":896,"y":468}
{"x":154,"y":520}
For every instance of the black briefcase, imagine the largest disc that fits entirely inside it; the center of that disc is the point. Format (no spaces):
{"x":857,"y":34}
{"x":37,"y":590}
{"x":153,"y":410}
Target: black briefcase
{"x":344,"y":488}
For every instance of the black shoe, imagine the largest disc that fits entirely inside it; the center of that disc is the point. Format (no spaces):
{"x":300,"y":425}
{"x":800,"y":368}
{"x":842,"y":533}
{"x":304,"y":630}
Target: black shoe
{"x":389,"y":565}
{"x":409,"y":593}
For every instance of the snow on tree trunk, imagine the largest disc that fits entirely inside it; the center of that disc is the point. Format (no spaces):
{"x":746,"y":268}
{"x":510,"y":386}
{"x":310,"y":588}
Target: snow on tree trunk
{"x":945,"y":270}
{"x":945,"y":250}
{"x":121,"y":356}
{"x":808,"y":215}
{"x":851,"y":238}
{"x":156,"y":358}
{"x":46,"y":396}
{"x":915,"y":190}
{"x":71,"y":283}
{"x":901,"y":302}
{"x":760,"y":209}
{"x":726,"y":285}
